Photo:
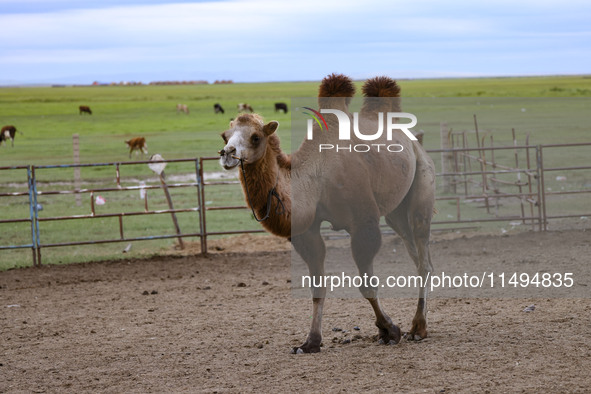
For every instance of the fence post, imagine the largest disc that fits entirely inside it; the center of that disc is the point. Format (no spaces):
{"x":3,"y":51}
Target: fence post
{"x":157,"y":165}
{"x":199,"y":203}
{"x":32,"y":217}
{"x":539,"y":177}
{"x":76,"y":148}
{"x":518,"y":176}
{"x":36,"y":215}
{"x":541,"y":165}
{"x":482,"y":166}
{"x":528,"y":173}
{"x":200,"y":181}
{"x":171,"y":207}
{"x":449,"y":184}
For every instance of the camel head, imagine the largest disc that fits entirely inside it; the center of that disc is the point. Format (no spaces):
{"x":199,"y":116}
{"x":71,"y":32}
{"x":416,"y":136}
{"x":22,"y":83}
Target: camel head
{"x":246,"y":139}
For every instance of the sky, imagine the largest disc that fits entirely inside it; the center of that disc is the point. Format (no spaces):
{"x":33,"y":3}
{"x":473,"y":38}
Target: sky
{"x":79,"y":42}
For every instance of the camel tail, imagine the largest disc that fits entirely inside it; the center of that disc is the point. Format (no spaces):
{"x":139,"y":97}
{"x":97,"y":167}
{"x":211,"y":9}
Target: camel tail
{"x":382,"y":94}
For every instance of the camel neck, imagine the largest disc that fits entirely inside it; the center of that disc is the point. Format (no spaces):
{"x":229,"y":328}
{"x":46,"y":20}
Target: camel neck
{"x":260,"y":177}
{"x":267,"y":189}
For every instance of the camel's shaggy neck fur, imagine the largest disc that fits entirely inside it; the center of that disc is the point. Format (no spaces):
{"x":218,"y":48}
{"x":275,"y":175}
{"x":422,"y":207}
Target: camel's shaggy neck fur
{"x":273,"y":170}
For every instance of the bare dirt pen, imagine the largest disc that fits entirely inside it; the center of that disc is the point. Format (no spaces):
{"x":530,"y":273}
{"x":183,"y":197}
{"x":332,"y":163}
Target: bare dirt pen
{"x":226,"y":323}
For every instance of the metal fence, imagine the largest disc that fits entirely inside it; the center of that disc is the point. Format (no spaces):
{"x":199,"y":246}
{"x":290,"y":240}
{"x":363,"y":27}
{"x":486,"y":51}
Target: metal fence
{"x":36,"y":245}
{"x":475,"y":177}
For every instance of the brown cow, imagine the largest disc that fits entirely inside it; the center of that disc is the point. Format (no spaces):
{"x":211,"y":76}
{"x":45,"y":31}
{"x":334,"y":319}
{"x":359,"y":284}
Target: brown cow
{"x":137,"y":143}
{"x":8,"y":132}
{"x":182,"y":108}
{"x":243,"y":107}
{"x":84,"y":108}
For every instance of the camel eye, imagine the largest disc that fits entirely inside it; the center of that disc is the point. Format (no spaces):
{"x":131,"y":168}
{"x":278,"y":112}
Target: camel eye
{"x":224,"y":137}
{"x":255,"y":139}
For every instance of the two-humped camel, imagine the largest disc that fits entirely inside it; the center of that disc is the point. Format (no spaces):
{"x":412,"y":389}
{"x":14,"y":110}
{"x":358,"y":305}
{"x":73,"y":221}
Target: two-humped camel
{"x":351,"y":190}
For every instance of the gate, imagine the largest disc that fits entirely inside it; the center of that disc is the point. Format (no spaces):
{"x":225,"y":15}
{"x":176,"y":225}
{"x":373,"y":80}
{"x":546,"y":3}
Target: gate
{"x":94,"y":200}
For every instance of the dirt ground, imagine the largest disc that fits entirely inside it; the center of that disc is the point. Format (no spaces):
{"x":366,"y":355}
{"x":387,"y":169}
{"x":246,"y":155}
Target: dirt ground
{"x":226,"y":323}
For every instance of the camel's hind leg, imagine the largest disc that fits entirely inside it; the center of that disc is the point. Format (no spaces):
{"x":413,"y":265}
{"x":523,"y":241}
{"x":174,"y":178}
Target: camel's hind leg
{"x":412,"y":221}
{"x":310,"y":246}
{"x":366,"y":239}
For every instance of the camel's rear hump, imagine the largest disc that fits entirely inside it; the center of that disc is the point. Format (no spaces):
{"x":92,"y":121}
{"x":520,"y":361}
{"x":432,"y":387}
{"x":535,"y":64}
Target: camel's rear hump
{"x":382,"y":94}
{"x":381,"y":87}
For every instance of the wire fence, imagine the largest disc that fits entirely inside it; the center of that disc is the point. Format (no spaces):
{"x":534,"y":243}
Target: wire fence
{"x":473,"y":188}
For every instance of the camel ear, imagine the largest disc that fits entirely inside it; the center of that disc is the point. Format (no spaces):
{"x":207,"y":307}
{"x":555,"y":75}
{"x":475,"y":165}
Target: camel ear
{"x":270,"y":127}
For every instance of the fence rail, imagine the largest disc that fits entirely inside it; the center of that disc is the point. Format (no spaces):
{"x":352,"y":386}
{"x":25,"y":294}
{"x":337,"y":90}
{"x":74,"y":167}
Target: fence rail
{"x":530,"y":182}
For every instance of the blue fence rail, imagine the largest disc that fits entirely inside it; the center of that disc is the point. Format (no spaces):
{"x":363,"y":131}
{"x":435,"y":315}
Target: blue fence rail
{"x":36,"y":245}
{"x":32,"y":212}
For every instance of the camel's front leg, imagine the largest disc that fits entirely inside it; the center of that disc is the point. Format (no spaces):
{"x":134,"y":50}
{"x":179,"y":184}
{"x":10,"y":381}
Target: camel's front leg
{"x":314,"y":340}
{"x":310,"y":247}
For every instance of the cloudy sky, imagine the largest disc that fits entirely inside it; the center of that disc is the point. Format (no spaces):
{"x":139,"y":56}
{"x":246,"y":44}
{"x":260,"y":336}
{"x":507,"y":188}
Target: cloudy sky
{"x":66,"y":41}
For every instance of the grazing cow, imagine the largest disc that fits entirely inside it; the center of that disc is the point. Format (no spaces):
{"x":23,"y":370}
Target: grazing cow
{"x":84,"y":109}
{"x":182,"y":108}
{"x":281,"y":106}
{"x":137,"y":143}
{"x":8,"y":132}
{"x":218,"y":108}
{"x":243,"y":107}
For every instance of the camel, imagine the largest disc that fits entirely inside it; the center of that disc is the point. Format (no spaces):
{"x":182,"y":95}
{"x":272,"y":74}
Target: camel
{"x":292,"y":194}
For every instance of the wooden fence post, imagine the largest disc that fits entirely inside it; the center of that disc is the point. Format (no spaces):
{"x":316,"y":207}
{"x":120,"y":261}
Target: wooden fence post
{"x":449,"y":184}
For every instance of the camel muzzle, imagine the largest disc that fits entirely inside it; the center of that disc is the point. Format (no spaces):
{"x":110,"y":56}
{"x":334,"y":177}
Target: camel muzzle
{"x":227,"y":157}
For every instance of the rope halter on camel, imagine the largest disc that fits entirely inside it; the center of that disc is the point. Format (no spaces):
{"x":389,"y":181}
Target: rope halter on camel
{"x":279,"y":209}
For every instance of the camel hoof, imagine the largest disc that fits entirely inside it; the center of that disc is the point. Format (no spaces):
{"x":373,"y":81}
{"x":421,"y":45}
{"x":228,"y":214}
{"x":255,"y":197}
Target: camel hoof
{"x":413,"y":337}
{"x":390,"y":335}
{"x":302,"y":350}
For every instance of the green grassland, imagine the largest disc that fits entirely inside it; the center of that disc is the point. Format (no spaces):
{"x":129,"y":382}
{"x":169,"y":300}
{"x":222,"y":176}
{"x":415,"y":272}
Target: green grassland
{"x":48,"y":117}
